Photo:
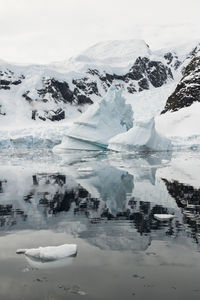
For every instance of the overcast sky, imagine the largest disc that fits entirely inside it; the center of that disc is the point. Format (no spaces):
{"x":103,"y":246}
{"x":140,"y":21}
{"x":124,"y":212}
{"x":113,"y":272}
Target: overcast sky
{"x":42,"y":31}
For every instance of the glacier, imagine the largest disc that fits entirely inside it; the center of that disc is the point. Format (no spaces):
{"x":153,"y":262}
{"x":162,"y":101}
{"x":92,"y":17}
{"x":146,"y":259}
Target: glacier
{"x":99,"y":123}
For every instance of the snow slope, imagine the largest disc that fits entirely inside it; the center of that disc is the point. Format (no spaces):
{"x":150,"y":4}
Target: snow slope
{"x":115,"y":56}
{"x":181,"y":127}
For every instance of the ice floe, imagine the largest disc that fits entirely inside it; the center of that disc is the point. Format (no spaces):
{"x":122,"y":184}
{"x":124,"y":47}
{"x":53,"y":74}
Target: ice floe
{"x":163,"y":217}
{"x":51,"y":252}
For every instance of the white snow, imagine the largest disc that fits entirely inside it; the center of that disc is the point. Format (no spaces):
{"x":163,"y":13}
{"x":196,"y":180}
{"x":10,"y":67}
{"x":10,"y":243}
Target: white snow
{"x":181,"y":127}
{"x":99,"y":123}
{"x":51,"y":252}
{"x":141,"y":136}
{"x":149,"y":103}
{"x":115,"y":56}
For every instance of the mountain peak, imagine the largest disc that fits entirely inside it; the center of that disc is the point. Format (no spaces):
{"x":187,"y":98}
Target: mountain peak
{"x":115,"y":55}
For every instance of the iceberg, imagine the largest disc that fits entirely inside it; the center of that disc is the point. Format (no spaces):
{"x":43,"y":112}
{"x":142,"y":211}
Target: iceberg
{"x":99,"y":123}
{"x":143,"y":136}
{"x":51,"y":252}
{"x":163,"y":217}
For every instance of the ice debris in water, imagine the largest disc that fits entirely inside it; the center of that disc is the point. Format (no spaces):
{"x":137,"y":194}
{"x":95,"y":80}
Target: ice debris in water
{"x":51,"y":252}
{"x":163,"y":217}
{"x":99,"y":123}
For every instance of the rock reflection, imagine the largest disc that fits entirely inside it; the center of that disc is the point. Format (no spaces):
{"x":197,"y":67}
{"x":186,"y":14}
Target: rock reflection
{"x":188,"y":199}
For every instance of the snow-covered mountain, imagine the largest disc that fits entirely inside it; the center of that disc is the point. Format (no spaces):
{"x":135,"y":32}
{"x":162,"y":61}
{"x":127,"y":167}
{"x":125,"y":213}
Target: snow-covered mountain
{"x":39,"y":102}
{"x":179,"y":120}
{"x":63,"y":90}
{"x":188,"y":89}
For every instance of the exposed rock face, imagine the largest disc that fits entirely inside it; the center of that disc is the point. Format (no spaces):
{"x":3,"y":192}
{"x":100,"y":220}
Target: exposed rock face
{"x":59,"y":93}
{"x":1,"y":112}
{"x":144,"y":72}
{"x":188,"y":89}
{"x":53,"y":115}
{"x":8,"y":78}
{"x":147,"y":71}
{"x":172,"y":60}
{"x":86,"y":86}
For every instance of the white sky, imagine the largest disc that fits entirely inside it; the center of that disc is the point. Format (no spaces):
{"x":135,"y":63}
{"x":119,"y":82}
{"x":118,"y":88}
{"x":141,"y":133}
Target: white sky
{"x":42,"y":31}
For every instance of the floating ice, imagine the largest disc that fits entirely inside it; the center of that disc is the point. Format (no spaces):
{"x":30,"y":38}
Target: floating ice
{"x":163,"y":217}
{"x":142,"y":135}
{"x":99,"y":123}
{"x":50,"y":253}
{"x":86,"y":169}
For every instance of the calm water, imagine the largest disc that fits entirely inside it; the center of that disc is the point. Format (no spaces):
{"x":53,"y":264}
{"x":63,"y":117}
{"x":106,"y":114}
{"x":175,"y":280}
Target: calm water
{"x":103,"y":202}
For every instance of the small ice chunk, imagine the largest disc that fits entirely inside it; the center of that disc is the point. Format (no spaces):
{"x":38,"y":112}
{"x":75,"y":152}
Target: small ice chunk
{"x":51,"y":252}
{"x":87,"y":169}
{"x":163,"y":217}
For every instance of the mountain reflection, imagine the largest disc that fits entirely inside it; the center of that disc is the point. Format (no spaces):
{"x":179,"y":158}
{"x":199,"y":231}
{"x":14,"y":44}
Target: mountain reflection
{"x":108,"y":207}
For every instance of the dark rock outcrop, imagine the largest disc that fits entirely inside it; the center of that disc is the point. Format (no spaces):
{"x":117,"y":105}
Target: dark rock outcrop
{"x":172,"y":60}
{"x":59,"y":93}
{"x":144,"y":73}
{"x":188,"y":89}
{"x":154,"y":72}
{"x":8,"y":78}
{"x":52,"y":115}
{"x":1,"y":112}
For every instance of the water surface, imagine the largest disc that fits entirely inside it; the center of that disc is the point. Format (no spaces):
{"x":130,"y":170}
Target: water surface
{"x":105,"y":203}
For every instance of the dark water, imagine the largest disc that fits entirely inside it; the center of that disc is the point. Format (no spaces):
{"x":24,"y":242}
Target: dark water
{"x":105,"y":203}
